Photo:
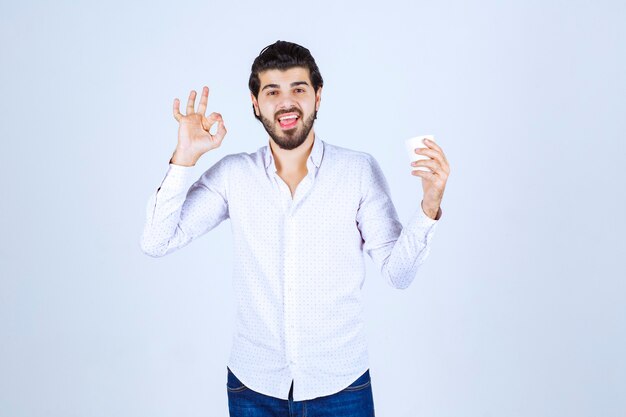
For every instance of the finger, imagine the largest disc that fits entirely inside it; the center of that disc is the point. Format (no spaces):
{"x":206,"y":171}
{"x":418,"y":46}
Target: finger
{"x":204,"y":98}
{"x":207,"y":122}
{"x":176,"y":110}
{"x":433,"y":154}
{"x":424,"y":174}
{"x":191,"y":102}
{"x":428,"y":163}
{"x":433,"y":145}
{"x":221,"y":131}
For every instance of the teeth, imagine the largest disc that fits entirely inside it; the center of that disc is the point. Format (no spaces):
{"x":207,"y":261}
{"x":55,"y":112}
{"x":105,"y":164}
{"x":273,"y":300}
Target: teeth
{"x":293,"y":116}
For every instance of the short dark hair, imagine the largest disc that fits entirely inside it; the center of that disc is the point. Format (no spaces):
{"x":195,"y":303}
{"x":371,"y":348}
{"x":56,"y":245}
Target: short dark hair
{"x":283,"y":55}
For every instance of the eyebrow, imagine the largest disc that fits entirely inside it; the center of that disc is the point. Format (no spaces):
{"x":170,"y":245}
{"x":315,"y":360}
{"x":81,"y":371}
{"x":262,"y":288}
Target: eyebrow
{"x":293,"y":84}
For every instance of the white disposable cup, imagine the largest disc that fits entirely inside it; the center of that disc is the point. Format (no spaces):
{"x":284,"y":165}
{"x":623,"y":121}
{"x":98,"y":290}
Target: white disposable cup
{"x":418,"y":142}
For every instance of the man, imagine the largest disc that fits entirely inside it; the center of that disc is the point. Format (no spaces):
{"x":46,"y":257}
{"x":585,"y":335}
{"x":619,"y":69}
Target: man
{"x":302,"y":212}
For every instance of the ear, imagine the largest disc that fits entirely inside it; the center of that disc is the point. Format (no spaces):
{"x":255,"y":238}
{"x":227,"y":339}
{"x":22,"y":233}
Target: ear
{"x":318,"y":98}
{"x":255,"y":103}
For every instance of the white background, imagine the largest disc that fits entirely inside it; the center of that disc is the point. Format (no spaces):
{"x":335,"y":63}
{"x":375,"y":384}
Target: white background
{"x":520,"y":308}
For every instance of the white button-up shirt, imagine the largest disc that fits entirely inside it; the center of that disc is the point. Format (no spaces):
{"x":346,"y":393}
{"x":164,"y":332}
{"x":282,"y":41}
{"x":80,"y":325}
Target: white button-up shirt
{"x":299,"y":265}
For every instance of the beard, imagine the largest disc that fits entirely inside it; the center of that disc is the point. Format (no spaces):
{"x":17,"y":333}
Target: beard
{"x":292,"y":138}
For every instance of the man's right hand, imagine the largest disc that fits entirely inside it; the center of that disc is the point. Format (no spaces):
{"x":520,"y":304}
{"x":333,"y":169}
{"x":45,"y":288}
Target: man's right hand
{"x":194,"y":138}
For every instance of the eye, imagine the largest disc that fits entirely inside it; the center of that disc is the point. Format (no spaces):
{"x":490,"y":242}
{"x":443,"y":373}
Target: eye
{"x":271,"y":93}
{"x":300,"y":90}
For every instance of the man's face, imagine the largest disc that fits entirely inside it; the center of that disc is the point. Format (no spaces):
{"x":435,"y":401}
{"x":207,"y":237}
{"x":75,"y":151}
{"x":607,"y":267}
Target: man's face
{"x":287,"y":105}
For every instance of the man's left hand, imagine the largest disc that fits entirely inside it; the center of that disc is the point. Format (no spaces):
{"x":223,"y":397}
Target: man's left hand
{"x":433,"y":182}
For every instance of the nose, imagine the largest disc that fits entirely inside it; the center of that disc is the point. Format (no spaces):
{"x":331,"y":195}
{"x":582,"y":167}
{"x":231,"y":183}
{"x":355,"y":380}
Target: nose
{"x":287,"y":103}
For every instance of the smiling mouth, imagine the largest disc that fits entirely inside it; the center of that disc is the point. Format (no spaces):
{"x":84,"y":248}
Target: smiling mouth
{"x":288,"y":121}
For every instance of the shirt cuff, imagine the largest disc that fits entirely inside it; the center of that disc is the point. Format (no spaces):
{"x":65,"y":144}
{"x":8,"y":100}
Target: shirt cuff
{"x":177,"y":177}
{"x":422,"y":225}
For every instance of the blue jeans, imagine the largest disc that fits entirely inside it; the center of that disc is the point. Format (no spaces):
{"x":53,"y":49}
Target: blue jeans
{"x":353,"y":401}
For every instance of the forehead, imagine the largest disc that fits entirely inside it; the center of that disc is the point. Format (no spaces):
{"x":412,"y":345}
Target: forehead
{"x":284,"y":77}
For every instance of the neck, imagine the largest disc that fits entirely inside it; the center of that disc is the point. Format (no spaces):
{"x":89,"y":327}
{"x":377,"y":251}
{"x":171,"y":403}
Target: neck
{"x":292,"y":160}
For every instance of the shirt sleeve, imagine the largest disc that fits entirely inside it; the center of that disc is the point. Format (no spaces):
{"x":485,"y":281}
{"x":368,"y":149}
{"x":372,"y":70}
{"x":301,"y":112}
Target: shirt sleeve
{"x":177,"y":214}
{"x":397,"y":251}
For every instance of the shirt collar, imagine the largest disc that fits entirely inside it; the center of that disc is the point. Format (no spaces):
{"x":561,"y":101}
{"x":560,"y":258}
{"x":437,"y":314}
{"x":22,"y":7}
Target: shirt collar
{"x":315,"y":156}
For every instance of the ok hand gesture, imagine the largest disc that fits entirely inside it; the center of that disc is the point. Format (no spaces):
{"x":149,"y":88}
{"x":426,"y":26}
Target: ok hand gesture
{"x":194,"y":138}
